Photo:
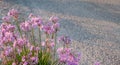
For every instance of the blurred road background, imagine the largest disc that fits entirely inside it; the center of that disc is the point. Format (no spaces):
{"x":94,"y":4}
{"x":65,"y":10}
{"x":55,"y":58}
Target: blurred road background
{"x":93,"y":25}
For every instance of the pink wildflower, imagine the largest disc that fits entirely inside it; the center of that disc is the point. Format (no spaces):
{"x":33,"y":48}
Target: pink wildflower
{"x":25,"y":26}
{"x":34,"y":60}
{"x":6,"y":19}
{"x":63,"y":54}
{"x":7,"y":37}
{"x":7,"y":27}
{"x":43,"y":44}
{"x":54,"y":19}
{"x":4,"y":27}
{"x":8,"y":51}
{"x":14,"y":63}
{"x":36,"y":21}
{"x":73,"y":59}
{"x":20,"y":43}
{"x":25,"y":63}
{"x":65,"y":39}
{"x":10,"y":28}
{"x":13,"y":13}
{"x":35,"y":49}
{"x":67,"y":57}
{"x":30,"y":15}
{"x":23,"y":58}
{"x":97,"y":63}
{"x":51,"y":43}
{"x":56,"y":26}
{"x":48,"y":28}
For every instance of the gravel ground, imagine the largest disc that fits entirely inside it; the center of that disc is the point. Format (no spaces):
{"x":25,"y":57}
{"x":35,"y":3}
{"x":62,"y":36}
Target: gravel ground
{"x":93,"y":25}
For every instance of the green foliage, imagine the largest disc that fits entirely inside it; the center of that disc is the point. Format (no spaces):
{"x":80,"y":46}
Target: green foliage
{"x":19,"y":57}
{"x":9,"y":63}
{"x":44,"y":58}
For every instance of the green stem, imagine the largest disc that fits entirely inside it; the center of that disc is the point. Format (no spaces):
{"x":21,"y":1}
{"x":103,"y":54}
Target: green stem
{"x":25,"y":50}
{"x":55,"y":45}
{"x":33,"y":38}
{"x":40,"y":36}
{"x":18,"y":27}
{"x":46,"y":42}
{"x":53,"y":36}
{"x":26,"y":35}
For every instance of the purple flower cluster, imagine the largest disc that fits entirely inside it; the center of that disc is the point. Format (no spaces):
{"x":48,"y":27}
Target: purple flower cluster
{"x":7,"y":33}
{"x":50,"y":43}
{"x":18,"y":47}
{"x":36,"y":21}
{"x":25,"y":26}
{"x":13,"y":46}
{"x":27,"y":60}
{"x":13,"y":13}
{"x":48,"y":29}
{"x":52,"y":26}
{"x":54,"y":19}
{"x":20,"y":43}
{"x":65,"y":39}
{"x":32,"y":23}
{"x":6,"y":19}
{"x":67,"y":57}
{"x":8,"y":51}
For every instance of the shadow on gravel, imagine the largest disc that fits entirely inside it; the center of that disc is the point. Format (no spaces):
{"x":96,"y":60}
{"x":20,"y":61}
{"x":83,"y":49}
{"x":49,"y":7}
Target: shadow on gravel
{"x":107,"y":12}
{"x":75,"y":31}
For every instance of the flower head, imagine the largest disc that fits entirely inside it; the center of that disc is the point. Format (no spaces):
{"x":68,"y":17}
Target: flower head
{"x":72,"y":63}
{"x":34,"y":49}
{"x":54,"y":19}
{"x":30,"y":15}
{"x":43,"y":44}
{"x":34,"y":60}
{"x":24,"y":58}
{"x":20,"y":43}
{"x":66,"y":56}
{"x":25,"y":26}
{"x":8,"y":51}
{"x":50,"y":43}
{"x":7,"y":28}
{"x":25,"y":63}
{"x":7,"y":37}
{"x":6,"y":19}
{"x":14,"y":63}
{"x":48,"y":28}
{"x":63,"y":54}
{"x":97,"y":63}
{"x":10,"y":28}
{"x":13,"y":13}
{"x":56,"y":26}
{"x":36,"y":21}
{"x":65,"y":39}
